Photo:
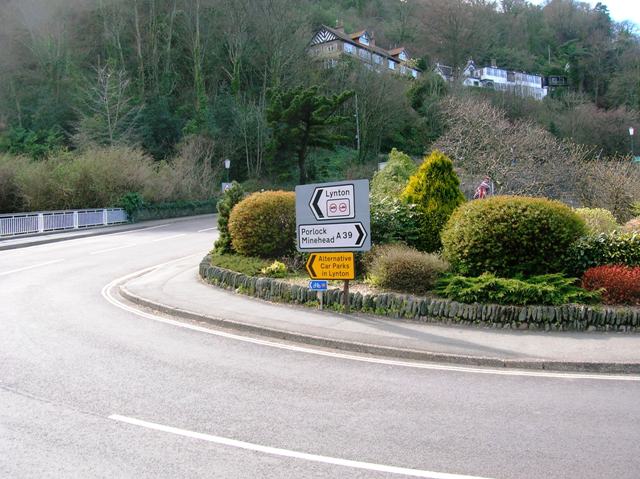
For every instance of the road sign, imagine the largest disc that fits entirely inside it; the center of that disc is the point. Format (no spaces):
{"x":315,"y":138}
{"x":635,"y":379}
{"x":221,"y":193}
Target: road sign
{"x":318,"y":285}
{"x":332,"y":237}
{"x":330,"y":202}
{"x":333,"y":216}
{"x":334,"y":266}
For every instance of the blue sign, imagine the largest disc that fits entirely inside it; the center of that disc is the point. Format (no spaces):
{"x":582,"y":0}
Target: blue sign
{"x":318,"y":285}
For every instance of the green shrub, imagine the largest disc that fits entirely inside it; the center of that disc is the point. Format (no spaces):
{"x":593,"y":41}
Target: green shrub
{"x":393,"y":221}
{"x":550,"y":289}
{"x":240,"y":264}
{"x":603,"y":249}
{"x":393,"y":178}
{"x":402,"y":268}
{"x":131,"y":203}
{"x":229,"y":199}
{"x":275,"y":270}
{"x":264,"y":224}
{"x":598,"y":220}
{"x":510,"y":236}
{"x":435,"y":189}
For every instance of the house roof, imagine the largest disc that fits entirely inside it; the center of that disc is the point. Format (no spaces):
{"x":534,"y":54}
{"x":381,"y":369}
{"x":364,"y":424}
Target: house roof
{"x":397,"y":51}
{"x":446,"y":70}
{"x":351,"y":38}
{"x":358,"y":34}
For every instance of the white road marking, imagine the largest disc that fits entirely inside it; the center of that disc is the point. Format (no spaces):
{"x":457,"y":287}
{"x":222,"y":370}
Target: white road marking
{"x":169,"y":237}
{"x":113,"y":249}
{"x":207,"y":229}
{"x":275,"y":451}
{"x":4,"y":273}
{"x":107,"y":293}
{"x":139,"y":229}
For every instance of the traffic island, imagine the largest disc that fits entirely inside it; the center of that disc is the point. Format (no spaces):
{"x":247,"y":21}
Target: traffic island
{"x":568,"y":317}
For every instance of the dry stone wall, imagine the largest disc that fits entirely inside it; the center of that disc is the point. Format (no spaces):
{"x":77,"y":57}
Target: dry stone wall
{"x":546,"y":318}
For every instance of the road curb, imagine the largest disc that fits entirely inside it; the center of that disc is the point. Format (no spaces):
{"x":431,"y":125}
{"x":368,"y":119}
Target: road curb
{"x":384,"y":351}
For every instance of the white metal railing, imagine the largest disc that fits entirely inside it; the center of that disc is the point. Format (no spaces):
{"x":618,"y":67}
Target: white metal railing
{"x":46,"y":221}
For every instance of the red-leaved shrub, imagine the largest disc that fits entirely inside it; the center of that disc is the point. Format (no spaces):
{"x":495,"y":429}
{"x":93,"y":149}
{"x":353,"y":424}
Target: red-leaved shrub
{"x":621,"y":284}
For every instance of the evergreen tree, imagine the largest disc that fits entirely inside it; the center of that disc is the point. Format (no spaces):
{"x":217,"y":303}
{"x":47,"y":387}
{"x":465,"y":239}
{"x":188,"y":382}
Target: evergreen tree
{"x":435,"y":190}
{"x":302,"y":119}
{"x":230,"y":198}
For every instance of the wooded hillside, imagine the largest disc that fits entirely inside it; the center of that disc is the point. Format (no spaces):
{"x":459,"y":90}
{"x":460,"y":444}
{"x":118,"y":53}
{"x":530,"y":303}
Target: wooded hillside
{"x":166,"y":75}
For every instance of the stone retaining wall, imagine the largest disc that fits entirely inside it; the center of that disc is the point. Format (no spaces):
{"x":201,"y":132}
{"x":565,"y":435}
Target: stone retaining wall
{"x":548,"y":318}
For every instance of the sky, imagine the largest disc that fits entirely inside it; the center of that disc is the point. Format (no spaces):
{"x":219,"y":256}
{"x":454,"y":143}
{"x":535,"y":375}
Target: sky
{"x":620,"y":9}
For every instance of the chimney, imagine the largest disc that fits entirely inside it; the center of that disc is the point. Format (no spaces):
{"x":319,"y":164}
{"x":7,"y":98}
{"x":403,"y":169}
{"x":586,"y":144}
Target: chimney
{"x":372,"y":40}
{"x":339,"y":26}
{"x":494,"y":64}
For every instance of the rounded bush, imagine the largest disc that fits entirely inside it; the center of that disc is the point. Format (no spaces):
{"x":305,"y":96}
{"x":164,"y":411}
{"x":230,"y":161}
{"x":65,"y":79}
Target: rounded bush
{"x":598,"y":220}
{"x":401,"y":268}
{"x":264,"y":224}
{"x":510,"y":236}
{"x":620,"y":284}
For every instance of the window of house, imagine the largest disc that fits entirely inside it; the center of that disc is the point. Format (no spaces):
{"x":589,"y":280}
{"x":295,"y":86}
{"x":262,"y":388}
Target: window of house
{"x":349,"y":48}
{"x":414,"y":73}
{"x":364,"y":39}
{"x":377,"y":58}
{"x":392,"y":65}
{"x":403,"y":56}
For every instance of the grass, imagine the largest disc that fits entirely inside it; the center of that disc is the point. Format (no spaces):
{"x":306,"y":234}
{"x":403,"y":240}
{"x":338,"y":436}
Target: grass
{"x":241,"y":264}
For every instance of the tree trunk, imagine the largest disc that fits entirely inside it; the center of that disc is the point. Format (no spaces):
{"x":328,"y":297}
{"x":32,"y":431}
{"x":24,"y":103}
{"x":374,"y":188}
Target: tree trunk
{"x":303,"y":173}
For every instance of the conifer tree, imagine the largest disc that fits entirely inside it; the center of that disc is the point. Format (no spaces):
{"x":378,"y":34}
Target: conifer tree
{"x":435,"y":190}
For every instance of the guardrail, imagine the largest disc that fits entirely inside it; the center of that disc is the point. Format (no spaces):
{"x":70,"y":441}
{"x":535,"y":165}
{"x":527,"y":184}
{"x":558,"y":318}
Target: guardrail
{"x":47,"y":221}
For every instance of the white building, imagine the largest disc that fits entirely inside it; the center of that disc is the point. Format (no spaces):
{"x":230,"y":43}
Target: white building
{"x":499,"y":79}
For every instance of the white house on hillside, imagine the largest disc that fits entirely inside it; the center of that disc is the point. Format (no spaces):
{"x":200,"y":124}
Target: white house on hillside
{"x":499,"y":79}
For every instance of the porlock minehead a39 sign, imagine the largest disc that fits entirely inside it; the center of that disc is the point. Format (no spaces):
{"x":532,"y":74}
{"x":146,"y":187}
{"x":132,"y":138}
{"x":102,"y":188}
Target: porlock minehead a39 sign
{"x":333,"y":216}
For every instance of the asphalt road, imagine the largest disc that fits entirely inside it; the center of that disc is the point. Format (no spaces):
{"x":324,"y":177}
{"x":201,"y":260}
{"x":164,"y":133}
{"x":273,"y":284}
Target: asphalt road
{"x":90,"y":390}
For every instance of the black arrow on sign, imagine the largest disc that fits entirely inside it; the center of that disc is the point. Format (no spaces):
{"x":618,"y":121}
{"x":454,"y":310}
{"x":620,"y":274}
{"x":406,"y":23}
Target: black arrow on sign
{"x":362,"y":233}
{"x":312,"y":259}
{"x":316,"y":200}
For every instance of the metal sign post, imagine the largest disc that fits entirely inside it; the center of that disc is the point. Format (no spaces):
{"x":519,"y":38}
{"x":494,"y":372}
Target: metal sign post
{"x":333,"y":221}
{"x":320,"y":286}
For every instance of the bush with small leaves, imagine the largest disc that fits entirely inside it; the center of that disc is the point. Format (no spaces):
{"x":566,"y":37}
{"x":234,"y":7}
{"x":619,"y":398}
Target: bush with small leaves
{"x":510,"y":236}
{"x":619,"y":284}
{"x":393,"y":221}
{"x":264,"y":224}
{"x":603,"y":249}
{"x":401,"y":268}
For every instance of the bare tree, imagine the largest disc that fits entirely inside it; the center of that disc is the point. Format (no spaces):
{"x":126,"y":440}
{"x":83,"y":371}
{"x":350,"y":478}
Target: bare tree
{"x":612,"y":184}
{"x":520,"y":157}
{"x":109,"y":115}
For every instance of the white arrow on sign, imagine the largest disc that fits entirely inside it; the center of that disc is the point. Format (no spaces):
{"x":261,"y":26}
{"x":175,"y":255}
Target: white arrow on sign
{"x":333,"y":202}
{"x":331,"y":236}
